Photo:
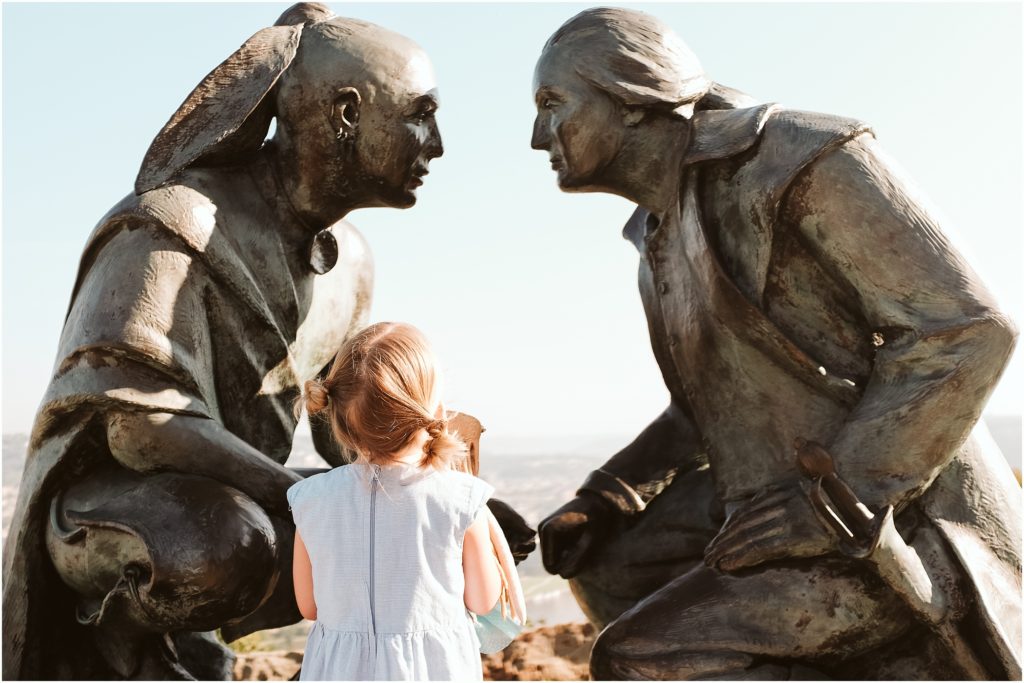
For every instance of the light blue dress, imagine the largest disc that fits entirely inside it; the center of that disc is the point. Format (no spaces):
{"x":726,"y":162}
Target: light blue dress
{"x":386,"y":548}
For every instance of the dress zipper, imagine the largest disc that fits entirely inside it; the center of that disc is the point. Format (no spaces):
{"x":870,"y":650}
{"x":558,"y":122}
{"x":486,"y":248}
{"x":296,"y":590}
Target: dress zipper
{"x":374,"y":482}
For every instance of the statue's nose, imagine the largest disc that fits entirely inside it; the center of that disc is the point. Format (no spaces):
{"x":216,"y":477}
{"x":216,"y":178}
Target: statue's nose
{"x":541,"y":139}
{"x":435,"y":147}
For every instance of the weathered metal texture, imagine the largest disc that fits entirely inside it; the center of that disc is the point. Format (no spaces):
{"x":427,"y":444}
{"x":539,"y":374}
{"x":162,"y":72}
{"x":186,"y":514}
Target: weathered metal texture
{"x":796,"y":286}
{"x":220,"y":104}
{"x":152,"y":500}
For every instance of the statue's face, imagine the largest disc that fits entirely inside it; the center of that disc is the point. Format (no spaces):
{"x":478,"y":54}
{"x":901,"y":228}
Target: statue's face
{"x":397,"y":133}
{"x":579,"y":126}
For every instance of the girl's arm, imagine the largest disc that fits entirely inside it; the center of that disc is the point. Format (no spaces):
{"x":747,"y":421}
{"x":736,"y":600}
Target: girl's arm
{"x":483,"y":582}
{"x":302,"y":579}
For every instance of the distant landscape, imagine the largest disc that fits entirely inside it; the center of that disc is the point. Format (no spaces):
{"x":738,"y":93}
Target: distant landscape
{"x":535,"y":476}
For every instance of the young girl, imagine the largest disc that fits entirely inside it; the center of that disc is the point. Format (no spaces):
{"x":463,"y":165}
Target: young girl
{"x":394,"y":551}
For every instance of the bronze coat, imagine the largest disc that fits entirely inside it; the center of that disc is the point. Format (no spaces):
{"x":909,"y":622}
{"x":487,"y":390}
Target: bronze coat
{"x":187,"y":301}
{"x":800,"y":289}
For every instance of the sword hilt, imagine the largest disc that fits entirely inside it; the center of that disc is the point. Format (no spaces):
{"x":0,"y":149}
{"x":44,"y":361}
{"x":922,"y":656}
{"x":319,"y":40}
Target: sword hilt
{"x":856,"y":523}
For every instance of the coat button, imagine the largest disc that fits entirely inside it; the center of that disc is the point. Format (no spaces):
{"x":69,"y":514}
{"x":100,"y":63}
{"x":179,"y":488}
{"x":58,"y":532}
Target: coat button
{"x":672,"y":341}
{"x":663,"y":287}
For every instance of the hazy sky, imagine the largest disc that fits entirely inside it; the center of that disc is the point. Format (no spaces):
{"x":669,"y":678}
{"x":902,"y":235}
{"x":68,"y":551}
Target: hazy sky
{"x":528,"y":294}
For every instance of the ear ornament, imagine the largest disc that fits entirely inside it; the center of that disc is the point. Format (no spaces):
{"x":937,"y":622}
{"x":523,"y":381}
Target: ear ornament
{"x":323,"y":252}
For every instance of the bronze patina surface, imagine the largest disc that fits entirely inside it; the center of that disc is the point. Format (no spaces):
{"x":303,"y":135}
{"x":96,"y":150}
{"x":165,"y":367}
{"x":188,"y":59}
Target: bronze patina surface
{"x":797,"y":289}
{"x":152,"y":507}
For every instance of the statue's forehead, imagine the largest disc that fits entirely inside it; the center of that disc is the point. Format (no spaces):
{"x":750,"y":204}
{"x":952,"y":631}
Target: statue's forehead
{"x":381,"y":60}
{"x":554,"y":69}
{"x":420,"y":71}
{"x":403,"y":76}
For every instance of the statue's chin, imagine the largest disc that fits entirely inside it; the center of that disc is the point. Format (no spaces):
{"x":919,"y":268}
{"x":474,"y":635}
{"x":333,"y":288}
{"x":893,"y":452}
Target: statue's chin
{"x":406,"y":200}
{"x":571,"y":182}
{"x":575,"y":185}
{"x":403,"y":198}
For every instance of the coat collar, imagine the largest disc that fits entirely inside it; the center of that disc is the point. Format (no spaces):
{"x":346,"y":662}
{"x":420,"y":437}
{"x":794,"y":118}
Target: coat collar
{"x":714,"y":134}
{"x":722,"y":133}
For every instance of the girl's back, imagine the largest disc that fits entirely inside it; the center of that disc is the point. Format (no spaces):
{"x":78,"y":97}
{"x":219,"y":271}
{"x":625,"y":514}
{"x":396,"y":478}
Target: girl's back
{"x":385,"y":545}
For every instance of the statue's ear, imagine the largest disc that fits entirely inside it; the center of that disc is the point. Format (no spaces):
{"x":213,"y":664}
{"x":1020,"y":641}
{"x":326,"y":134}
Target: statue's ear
{"x":215,"y":112}
{"x":345,"y":111}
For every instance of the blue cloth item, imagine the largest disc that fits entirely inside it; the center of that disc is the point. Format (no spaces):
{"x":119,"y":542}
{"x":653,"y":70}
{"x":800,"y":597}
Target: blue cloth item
{"x":386,"y":550}
{"x":496,"y":632}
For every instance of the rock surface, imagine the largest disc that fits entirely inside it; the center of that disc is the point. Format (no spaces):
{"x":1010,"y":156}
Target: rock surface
{"x":267,"y":666}
{"x":549,"y":653}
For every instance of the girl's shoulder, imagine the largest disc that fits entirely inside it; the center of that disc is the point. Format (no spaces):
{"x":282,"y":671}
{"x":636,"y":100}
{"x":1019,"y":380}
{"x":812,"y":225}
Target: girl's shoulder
{"x":311,"y":487}
{"x":466,"y":489}
{"x":463,"y":479}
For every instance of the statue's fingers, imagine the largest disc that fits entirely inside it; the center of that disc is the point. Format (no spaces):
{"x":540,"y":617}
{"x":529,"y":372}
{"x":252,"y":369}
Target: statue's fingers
{"x":768,"y":492}
{"x":772,"y":499}
{"x":736,"y":544}
{"x":559,"y":546}
{"x":723,"y":542}
{"x":522,"y":550}
{"x":720,"y":547}
{"x":755,"y":553}
{"x":572,"y":559}
{"x":752,"y":518}
{"x":549,"y":549}
{"x":549,"y":557}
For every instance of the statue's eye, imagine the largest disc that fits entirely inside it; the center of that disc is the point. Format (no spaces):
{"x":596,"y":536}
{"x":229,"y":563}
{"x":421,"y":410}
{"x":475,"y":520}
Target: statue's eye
{"x":548,"y":103}
{"x":423,"y":115}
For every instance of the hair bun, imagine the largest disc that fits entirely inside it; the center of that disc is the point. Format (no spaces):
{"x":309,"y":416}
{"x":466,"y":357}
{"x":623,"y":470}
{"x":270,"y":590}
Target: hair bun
{"x":304,"y":13}
{"x":437,"y":427}
{"x":317,"y":397}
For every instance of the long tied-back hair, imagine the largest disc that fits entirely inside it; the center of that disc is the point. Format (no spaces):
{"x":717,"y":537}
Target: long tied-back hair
{"x":634,"y":57}
{"x":380,"y":391}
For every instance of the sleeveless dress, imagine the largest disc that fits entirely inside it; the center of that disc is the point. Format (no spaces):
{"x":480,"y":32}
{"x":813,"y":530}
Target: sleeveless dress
{"x":385,"y":545}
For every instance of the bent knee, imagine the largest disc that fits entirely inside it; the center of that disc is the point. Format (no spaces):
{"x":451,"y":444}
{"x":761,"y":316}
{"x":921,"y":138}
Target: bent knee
{"x":627,"y":648}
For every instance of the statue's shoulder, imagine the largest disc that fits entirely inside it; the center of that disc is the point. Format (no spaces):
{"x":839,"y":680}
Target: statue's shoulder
{"x":796,"y":129}
{"x":186,"y":209}
{"x":766,"y":132}
{"x":791,"y":141}
{"x":752,"y":156}
{"x":178,"y":216}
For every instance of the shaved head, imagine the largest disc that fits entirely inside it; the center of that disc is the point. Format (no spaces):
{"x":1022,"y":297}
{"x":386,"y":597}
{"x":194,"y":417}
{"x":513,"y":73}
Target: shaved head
{"x":344,"y":52}
{"x":356,"y":108}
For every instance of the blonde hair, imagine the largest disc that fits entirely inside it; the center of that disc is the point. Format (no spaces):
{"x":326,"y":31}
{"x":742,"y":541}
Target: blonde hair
{"x":380,"y":392}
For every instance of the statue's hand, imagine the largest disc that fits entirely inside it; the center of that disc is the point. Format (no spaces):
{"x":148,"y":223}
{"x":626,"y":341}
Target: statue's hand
{"x":775,"y":524}
{"x":518,"y":534}
{"x":571,"y":532}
